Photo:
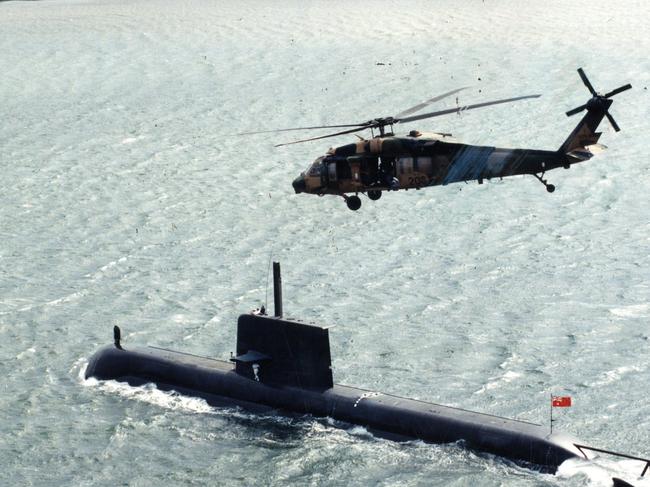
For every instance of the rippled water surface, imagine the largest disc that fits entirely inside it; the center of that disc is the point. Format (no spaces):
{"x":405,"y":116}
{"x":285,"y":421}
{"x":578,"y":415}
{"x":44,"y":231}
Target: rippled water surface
{"x":127,"y":199}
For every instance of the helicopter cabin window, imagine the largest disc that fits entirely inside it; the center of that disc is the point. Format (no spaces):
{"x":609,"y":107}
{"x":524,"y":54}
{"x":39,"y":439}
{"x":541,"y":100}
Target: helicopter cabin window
{"x":405,"y":165}
{"x":409,"y":165}
{"x":331,"y":171}
{"x":423,"y":164}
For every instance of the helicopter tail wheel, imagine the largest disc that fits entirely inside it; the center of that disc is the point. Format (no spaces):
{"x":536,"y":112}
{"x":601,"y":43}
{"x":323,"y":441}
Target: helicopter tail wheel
{"x":374,"y":194}
{"x":353,"y":202}
{"x":549,"y":187}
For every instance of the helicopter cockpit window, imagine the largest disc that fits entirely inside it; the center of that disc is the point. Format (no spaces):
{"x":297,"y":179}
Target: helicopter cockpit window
{"x":315,"y":168}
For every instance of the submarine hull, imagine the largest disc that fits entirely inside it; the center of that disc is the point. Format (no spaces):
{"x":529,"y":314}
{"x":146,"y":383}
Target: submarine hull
{"x":219,"y":383}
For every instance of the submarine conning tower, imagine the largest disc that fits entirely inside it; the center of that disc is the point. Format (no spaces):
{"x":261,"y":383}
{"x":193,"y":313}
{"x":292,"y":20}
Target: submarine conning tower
{"x":282,"y":352}
{"x":284,"y":366}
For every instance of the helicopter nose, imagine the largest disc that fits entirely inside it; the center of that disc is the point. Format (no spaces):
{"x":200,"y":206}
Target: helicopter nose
{"x":299,"y":185}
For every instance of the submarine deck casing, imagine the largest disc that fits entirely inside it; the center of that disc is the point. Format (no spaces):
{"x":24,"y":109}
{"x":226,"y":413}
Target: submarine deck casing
{"x":285,"y":365}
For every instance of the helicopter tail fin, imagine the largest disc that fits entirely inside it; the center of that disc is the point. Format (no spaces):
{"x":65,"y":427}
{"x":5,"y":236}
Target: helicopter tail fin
{"x":585,"y":134}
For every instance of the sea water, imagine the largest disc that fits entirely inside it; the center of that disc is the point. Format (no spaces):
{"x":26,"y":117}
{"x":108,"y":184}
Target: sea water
{"x":128,"y":199}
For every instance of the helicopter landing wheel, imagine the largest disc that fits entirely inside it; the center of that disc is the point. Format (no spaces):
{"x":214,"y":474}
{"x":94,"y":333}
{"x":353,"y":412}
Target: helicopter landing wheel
{"x":549,"y":187}
{"x":353,"y":202}
{"x":374,"y":194}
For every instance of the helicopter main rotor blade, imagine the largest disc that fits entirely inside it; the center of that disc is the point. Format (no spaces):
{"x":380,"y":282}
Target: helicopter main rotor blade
{"x":463,"y":108}
{"x":368,"y":124}
{"x":304,"y":128}
{"x":323,"y":136}
{"x":420,"y":106}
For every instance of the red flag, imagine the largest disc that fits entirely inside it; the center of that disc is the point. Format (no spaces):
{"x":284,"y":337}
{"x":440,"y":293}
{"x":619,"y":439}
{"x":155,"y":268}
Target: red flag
{"x":561,"y":401}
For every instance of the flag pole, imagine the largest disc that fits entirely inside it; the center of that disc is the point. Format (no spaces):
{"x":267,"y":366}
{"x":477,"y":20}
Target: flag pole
{"x":550,"y":404}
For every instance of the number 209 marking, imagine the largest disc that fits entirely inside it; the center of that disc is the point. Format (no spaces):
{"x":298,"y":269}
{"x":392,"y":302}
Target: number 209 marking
{"x":417,"y":181}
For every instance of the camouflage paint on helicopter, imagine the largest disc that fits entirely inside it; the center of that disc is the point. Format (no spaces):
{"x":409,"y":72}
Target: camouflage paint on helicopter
{"x":388,"y":163}
{"x":417,"y":160}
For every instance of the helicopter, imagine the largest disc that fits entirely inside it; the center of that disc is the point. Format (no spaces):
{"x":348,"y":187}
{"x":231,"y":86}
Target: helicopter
{"x":387,"y":162}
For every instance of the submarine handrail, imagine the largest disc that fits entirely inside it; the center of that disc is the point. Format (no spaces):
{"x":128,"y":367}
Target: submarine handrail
{"x":211,"y":359}
{"x":439,"y":405}
{"x":616,"y":454}
{"x":176,"y":352}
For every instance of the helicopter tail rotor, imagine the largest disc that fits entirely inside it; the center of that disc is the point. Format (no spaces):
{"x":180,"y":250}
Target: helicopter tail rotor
{"x":583,"y":141}
{"x":598,"y":102}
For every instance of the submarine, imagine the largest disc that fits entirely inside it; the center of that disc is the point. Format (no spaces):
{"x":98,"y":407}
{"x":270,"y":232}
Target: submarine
{"x":284,"y":365}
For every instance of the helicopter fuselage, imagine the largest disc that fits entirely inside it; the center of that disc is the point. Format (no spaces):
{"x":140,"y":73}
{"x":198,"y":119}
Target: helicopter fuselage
{"x":416,"y":161}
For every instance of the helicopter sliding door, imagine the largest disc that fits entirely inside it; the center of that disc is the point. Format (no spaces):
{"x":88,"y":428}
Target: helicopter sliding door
{"x":335,"y":173}
{"x":349,"y":174}
{"x":343,"y":170}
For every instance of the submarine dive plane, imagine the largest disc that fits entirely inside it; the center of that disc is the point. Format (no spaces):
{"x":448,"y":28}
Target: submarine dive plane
{"x":285,"y":365}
